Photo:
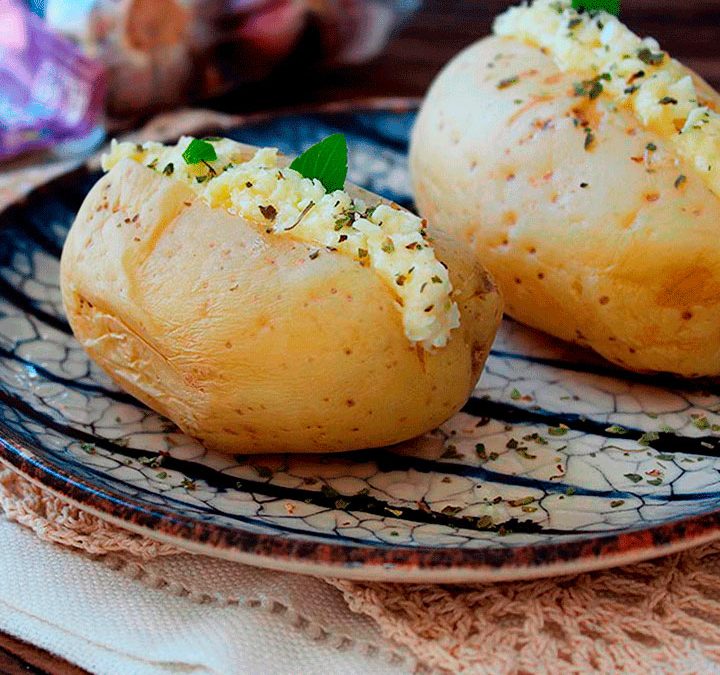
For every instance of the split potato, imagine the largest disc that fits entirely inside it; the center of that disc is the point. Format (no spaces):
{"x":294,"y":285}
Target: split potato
{"x":254,"y":341}
{"x":597,"y":229}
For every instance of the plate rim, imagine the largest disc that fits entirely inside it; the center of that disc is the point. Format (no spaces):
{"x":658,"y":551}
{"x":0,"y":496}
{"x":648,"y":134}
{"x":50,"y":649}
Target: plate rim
{"x":399,"y":563}
{"x":406,"y":564}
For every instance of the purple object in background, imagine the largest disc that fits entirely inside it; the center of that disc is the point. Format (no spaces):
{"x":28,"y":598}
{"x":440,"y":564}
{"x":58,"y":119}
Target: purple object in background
{"x":49,"y":91}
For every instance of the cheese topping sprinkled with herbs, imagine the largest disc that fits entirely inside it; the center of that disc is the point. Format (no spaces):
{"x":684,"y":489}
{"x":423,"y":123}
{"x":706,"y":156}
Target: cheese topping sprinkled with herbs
{"x":387,"y":239}
{"x":634,"y":71}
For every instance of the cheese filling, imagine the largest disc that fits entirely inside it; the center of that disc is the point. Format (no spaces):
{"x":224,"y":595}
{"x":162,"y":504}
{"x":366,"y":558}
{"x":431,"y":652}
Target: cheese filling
{"x":388,"y":240}
{"x":634,"y":71}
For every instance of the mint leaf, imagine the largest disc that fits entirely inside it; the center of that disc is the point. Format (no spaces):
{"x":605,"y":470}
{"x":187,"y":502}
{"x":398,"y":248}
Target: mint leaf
{"x":199,"y":151}
{"x":609,"y":6}
{"x":327,"y":161}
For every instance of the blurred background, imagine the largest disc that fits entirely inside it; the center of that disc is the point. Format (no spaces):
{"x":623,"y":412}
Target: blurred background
{"x":78,"y":68}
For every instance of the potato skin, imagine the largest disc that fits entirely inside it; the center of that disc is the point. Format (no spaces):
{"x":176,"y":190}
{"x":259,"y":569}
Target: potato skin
{"x":243,"y":340}
{"x":585,"y":244}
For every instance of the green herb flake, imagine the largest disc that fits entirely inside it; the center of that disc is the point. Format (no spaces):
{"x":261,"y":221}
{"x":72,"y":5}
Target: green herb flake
{"x":634,"y":477}
{"x":388,"y":246}
{"x":188,"y":484}
{"x":480,"y":450}
{"x":680,"y":181}
{"x":616,"y":429}
{"x":523,"y":501}
{"x":161,"y":475}
{"x":646,"y":55}
{"x":451,"y":510}
{"x":508,"y":82}
{"x":589,"y":138}
{"x":515,"y":395}
{"x":168,"y":170}
{"x":668,"y":100}
{"x":326,"y":161}
{"x":665,"y":458}
{"x":609,"y":6}
{"x":595,"y":90}
{"x":701,"y":422}
{"x":654,"y":481}
{"x":648,"y":437}
{"x":616,"y":502}
{"x":557,"y":431}
{"x":199,"y":151}
{"x":89,"y":448}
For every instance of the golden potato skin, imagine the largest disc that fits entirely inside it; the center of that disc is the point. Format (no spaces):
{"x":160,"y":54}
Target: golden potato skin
{"x":243,"y":340}
{"x":584,"y":243}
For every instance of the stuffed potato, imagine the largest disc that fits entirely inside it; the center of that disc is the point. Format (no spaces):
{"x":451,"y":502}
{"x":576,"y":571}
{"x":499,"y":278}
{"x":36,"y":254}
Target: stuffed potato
{"x":263,"y":314}
{"x":583,"y":165}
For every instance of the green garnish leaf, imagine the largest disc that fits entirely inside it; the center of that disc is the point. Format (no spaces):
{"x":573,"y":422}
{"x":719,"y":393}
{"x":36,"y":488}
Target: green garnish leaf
{"x":326,"y":161}
{"x":609,"y":6}
{"x":199,"y":151}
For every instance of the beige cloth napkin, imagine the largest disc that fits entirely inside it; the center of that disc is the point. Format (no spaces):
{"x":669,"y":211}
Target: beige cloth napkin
{"x":156,"y":611}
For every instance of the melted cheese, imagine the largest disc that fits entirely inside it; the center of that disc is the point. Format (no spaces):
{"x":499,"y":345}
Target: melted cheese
{"x":390,"y":241}
{"x":657,"y":89}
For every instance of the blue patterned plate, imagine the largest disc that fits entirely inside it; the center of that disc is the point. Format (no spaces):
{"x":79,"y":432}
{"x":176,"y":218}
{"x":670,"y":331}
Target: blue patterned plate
{"x":559,"y":463}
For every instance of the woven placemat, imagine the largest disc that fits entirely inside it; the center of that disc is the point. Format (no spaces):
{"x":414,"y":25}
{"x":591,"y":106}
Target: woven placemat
{"x":659,"y":616}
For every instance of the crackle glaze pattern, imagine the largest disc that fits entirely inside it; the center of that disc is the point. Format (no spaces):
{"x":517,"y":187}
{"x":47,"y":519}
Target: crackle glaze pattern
{"x":555,"y":446}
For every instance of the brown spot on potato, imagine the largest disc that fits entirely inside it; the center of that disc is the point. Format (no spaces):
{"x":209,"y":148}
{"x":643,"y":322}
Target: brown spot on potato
{"x":652,"y":196}
{"x":518,"y":280}
{"x":687,"y":315}
{"x":350,"y":403}
{"x":477,"y":357}
{"x":541,"y":275}
{"x":604,"y":300}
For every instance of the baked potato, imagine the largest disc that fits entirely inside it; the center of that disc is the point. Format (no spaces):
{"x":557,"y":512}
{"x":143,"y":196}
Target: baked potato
{"x":582,"y":164}
{"x":262,"y":313}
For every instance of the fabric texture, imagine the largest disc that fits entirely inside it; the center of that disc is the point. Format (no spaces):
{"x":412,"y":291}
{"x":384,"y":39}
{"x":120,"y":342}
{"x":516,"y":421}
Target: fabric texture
{"x":112,"y":602}
{"x":115,"y":602}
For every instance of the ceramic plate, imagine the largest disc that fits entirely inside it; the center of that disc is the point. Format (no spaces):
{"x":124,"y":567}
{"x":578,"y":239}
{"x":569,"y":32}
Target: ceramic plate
{"x":558,"y":463}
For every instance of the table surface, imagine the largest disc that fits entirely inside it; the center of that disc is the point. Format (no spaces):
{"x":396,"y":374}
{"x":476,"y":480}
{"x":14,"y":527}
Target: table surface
{"x":690,"y":31}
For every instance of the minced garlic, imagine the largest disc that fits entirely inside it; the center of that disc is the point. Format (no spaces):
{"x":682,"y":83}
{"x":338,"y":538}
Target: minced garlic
{"x":390,"y":241}
{"x":635,"y":72}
